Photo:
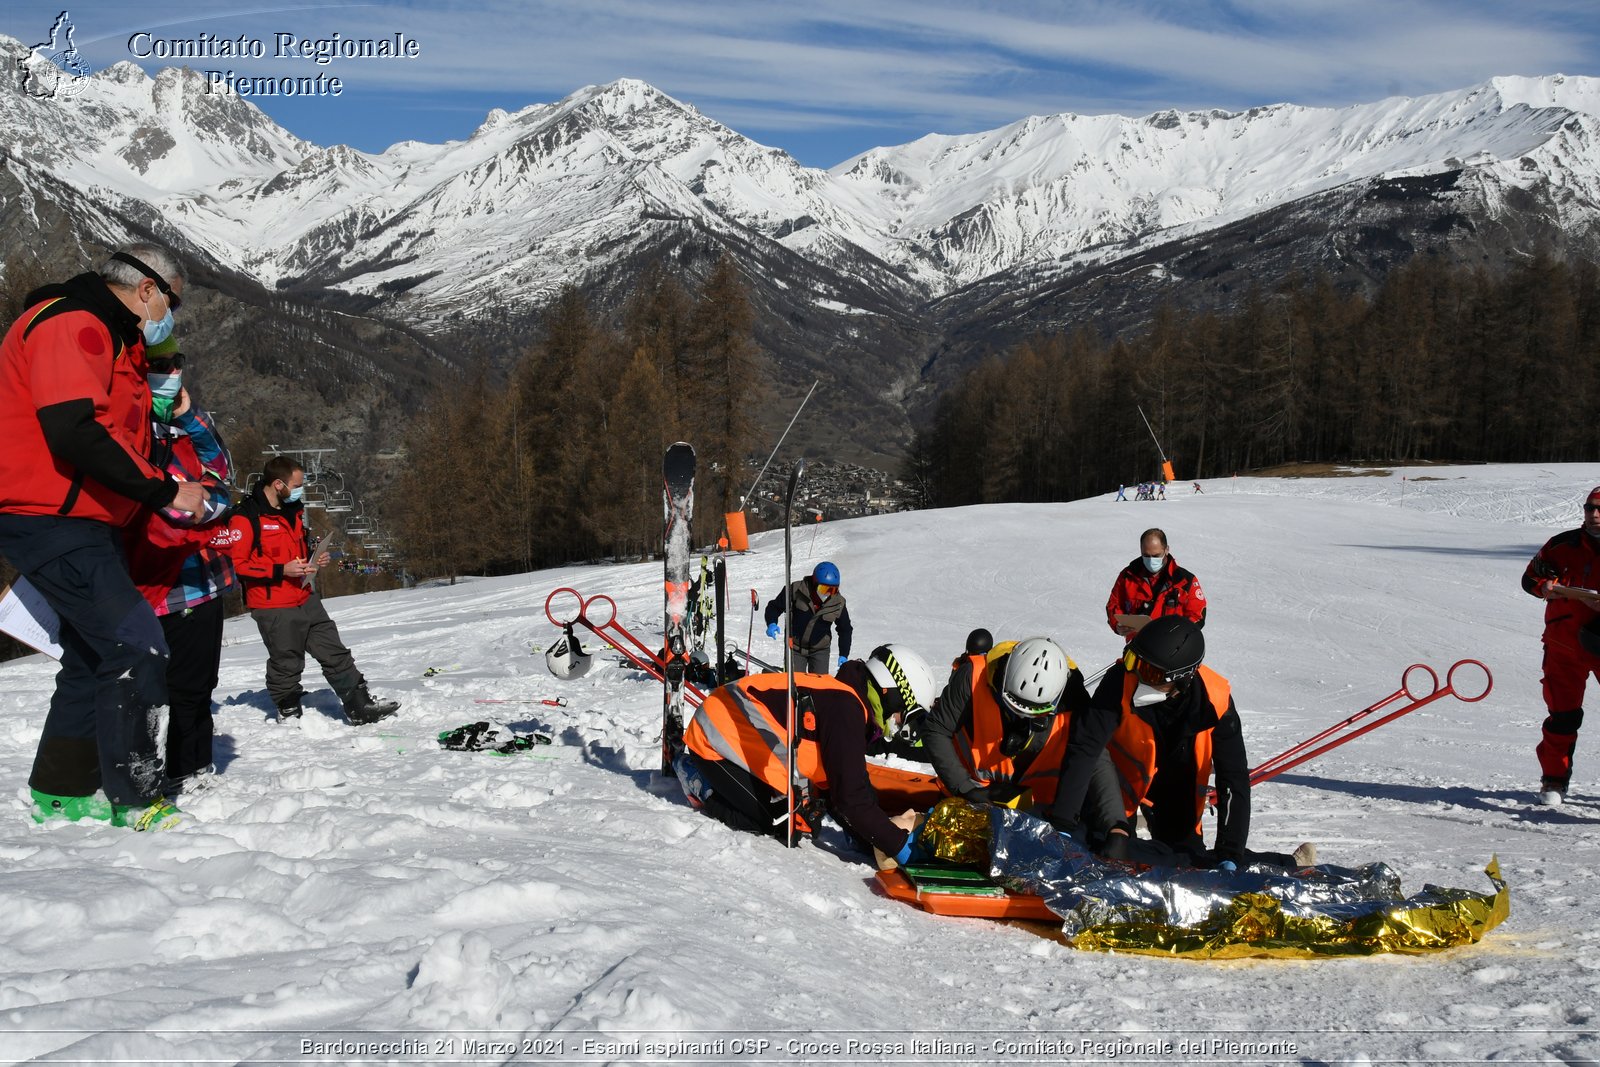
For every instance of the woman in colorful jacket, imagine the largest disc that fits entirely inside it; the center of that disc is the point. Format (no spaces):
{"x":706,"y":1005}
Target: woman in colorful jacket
{"x":177,"y":568}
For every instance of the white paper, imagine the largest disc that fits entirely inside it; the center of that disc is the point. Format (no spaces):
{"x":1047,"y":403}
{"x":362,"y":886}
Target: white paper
{"x":25,"y":616}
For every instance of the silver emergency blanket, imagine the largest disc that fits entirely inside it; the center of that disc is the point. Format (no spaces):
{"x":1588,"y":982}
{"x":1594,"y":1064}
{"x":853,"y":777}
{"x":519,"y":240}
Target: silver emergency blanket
{"x":1256,"y":911}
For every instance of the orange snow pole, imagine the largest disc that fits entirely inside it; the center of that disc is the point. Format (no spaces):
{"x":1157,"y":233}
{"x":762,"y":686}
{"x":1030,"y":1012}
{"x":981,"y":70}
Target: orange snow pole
{"x":738,"y":531}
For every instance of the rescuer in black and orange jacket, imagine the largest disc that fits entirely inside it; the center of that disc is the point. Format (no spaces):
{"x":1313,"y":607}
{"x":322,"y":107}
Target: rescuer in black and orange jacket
{"x":1168,"y":723}
{"x":1154,"y":586}
{"x":1565,"y":574}
{"x":735,"y":763}
{"x":998,"y":732}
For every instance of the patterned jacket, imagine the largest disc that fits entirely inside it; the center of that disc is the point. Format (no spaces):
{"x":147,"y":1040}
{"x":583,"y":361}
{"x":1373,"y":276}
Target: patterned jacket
{"x":171,"y":554}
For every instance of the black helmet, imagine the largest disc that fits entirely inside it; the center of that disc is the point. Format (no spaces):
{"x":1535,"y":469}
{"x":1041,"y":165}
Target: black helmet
{"x":1171,"y":644}
{"x":979,"y":642}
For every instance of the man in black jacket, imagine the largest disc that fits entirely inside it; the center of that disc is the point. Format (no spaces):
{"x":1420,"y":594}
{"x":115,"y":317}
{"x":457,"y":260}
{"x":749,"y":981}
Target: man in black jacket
{"x":1167,"y":722}
{"x":816,"y":607}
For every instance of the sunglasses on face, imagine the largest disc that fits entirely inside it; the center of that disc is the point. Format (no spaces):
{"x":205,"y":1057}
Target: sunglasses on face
{"x":1590,"y":507}
{"x":166,"y":364}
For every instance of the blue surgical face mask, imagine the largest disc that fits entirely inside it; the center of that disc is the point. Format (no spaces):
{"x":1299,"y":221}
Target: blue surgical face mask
{"x":159,"y":330}
{"x":165,"y":385}
{"x":164,"y":390}
{"x":295,"y":494}
{"x":1153,"y":563}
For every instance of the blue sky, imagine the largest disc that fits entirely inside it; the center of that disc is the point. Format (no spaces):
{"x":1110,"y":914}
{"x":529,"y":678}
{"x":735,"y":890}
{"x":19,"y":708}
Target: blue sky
{"x":829,"y":78}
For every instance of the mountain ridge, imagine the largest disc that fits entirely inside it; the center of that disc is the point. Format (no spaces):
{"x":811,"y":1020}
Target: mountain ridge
{"x":885,"y":274}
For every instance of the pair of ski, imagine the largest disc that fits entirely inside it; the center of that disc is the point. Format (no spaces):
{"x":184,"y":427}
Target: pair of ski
{"x":677,"y":478}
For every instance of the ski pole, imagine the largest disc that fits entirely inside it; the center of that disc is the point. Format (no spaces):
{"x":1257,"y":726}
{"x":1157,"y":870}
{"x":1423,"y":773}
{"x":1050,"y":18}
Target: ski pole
{"x":751,"y":636}
{"x":556,"y":702}
{"x":1096,"y":675}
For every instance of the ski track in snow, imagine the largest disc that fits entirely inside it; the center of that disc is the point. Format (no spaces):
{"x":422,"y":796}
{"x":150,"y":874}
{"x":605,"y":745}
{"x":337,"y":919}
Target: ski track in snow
{"x":338,"y":880}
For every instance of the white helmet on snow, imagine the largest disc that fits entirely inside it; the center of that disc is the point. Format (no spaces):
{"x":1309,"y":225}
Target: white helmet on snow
{"x":1036,"y":677}
{"x":897,"y":669}
{"x":566,"y":658}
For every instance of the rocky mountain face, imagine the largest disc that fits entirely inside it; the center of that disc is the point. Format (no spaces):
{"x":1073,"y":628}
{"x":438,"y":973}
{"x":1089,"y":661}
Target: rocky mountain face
{"x":884,"y":276}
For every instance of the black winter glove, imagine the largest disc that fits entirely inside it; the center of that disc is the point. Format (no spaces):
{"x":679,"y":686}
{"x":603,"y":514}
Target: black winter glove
{"x":976,"y":795}
{"x":1116,"y":847}
{"x":1063,"y":824}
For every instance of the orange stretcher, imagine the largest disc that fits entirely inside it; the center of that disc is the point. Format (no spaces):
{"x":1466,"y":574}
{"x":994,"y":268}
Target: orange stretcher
{"x":943,"y":890}
{"x":899,"y":789}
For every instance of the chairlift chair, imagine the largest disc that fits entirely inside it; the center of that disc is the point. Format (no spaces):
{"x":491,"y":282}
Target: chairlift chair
{"x":341,"y":500}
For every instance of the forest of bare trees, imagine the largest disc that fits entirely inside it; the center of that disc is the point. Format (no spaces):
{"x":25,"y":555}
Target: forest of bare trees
{"x":1441,"y":363}
{"x":563,"y":460}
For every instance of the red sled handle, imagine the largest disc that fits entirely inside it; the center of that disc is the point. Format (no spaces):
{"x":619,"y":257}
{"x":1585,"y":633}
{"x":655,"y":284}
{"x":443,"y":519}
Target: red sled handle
{"x":1412,"y":682}
{"x":598,"y":614}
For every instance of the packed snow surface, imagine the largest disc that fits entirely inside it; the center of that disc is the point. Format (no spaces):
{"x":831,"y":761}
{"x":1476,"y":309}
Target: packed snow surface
{"x":344,"y":884}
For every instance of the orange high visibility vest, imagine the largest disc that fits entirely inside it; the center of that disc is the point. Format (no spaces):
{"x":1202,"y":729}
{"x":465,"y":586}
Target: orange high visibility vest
{"x":1133,"y":746}
{"x":980,"y":752}
{"x":744,"y":723}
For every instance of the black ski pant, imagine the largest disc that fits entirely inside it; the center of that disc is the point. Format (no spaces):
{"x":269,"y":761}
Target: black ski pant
{"x":1191,"y":853}
{"x":195,"y":637}
{"x":100,"y":731}
{"x":291,"y":633}
{"x":740,"y":800}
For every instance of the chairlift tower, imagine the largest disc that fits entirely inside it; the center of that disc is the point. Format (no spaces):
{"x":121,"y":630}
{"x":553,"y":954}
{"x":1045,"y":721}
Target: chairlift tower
{"x":310,"y":460}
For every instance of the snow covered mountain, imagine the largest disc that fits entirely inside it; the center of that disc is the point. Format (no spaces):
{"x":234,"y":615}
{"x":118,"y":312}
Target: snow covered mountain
{"x":550,"y":193}
{"x":886,"y":273}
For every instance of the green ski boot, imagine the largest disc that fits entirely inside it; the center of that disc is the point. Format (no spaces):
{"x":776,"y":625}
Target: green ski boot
{"x":48,"y":806}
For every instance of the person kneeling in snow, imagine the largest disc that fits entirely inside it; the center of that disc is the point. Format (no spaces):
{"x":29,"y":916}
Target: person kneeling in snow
{"x":998,"y":733}
{"x":1167,"y":722}
{"x":735,"y":763}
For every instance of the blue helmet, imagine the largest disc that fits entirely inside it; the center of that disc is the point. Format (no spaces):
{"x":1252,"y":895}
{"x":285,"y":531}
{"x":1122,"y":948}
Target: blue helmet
{"x":826,"y":574}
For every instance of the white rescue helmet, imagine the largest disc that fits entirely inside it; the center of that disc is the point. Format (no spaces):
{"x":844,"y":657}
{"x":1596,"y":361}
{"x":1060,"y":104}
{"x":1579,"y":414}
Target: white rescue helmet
{"x":899,"y":672}
{"x":1036,"y":677}
{"x":566,"y":658}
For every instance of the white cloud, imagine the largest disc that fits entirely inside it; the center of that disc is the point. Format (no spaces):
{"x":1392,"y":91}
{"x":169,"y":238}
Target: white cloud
{"x":919,"y":65}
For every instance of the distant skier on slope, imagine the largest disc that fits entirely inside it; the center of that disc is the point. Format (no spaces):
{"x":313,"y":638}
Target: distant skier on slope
{"x":1167,"y":723}
{"x":734,"y":767}
{"x":816,"y":607}
{"x":1565,"y":573}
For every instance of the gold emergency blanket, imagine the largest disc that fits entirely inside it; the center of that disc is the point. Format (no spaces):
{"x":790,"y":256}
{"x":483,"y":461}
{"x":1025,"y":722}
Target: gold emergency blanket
{"x":1257,"y":911}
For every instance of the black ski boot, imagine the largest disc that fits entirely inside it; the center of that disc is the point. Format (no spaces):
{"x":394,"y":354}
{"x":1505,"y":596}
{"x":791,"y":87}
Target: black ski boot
{"x":361,"y":709}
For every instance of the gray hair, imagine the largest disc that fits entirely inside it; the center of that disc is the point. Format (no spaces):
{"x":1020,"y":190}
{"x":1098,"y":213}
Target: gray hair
{"x":155,"y":257}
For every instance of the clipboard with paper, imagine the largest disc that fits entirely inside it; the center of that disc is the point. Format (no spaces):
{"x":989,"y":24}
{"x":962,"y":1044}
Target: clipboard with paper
{"x":1132,"y":623}
{"x":333,"y":545}
{"x":25,"y":615}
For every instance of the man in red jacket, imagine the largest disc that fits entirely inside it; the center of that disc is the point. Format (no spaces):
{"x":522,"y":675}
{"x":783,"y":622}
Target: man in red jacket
{"x":1153,"y":586}
{"x":266,"y":539}
{"x":75,"y":419}
{"x":1565,"y":574}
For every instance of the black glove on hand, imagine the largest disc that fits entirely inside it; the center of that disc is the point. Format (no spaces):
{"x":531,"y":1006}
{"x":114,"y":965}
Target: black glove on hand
{"x":1116,"y":847}
{"x":976,"y":795}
